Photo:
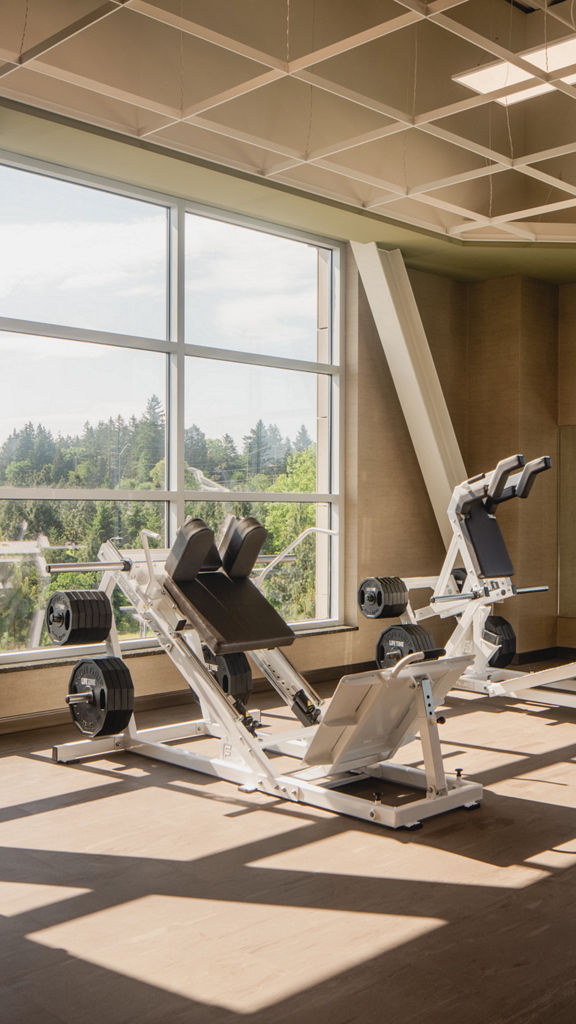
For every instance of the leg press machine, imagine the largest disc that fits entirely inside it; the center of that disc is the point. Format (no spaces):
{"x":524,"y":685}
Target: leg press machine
{"x":198,"y":601}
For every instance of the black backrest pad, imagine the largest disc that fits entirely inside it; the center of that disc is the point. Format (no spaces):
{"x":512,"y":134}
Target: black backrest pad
{"x":242,"y":547}
{"x":193,"y":547}
{"x":229,"y":615}
{"x":487,"y":542}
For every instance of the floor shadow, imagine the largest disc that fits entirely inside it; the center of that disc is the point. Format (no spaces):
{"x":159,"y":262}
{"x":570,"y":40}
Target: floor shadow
{"x":492,"y":954}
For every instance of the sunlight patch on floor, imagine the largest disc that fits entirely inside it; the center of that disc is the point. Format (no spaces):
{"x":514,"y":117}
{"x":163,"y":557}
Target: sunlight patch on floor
{"x":21,"y":897}
{"x":265,"y":953}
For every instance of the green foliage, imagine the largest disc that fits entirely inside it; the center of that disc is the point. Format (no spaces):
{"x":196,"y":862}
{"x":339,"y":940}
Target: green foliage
{"x":130,"y":455}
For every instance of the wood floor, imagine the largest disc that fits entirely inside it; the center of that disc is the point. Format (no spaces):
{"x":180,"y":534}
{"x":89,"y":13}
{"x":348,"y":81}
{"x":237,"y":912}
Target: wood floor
{"x":131,"y":891}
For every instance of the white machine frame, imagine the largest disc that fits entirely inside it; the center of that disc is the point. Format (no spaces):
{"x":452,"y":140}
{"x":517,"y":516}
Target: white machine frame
{"x":369,"y":718}
{"x":473,"y":604}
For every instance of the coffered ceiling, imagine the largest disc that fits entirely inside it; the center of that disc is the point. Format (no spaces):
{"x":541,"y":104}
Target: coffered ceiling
{"x":367,"y":103}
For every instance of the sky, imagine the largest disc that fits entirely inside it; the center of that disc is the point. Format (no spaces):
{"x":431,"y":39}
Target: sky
{"x":82,"y":257}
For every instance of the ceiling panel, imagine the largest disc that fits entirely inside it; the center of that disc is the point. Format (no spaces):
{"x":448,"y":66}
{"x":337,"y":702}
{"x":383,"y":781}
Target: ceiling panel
{"x":355,"y":102}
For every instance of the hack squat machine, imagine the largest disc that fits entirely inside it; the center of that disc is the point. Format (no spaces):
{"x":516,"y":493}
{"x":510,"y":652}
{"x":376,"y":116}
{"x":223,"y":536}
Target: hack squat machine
{"x":198,"y":601}
{"x":477,"y":572}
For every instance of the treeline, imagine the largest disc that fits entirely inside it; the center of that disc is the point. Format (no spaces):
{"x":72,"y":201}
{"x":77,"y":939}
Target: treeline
{"x":130,"y":455}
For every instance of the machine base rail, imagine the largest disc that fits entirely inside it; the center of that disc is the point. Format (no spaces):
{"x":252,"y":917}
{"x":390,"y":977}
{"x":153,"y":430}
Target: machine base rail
{"x":305,"y":786}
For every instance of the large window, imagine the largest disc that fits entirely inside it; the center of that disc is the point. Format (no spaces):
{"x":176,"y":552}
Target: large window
{"x":160,"y":361}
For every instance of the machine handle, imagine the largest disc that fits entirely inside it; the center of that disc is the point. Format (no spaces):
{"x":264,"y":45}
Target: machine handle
{"x":121,"y":566}
{"x":500,"y":476}
{"x":529,"y":473}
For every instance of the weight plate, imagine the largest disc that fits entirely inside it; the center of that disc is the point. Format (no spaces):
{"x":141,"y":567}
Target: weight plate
{"x":78,"y":616}
{"x":231,"y":671}
{"x":398,"y":641}
{"x":382,"y":597}
{"x":107,"y":686}
{"x":498,"y":630}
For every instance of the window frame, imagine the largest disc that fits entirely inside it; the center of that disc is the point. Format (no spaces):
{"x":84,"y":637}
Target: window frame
{"x":176,"y":350}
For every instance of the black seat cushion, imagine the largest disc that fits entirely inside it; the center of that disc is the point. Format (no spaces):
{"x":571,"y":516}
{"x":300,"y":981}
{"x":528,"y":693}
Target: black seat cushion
{"x":487,"y":542}
{"x":229,"y":615}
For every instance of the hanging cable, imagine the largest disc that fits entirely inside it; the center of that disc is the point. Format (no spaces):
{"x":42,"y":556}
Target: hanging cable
{"x":507,"y":105}
{"x":311,"y":96}
{"x":24,"y":28}
{"x":413,"y":110}
{"x":181,"y":64}
{"x":490,"y":125}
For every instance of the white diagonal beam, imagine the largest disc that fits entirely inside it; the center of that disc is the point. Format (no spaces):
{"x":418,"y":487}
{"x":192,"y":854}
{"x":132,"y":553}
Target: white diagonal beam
{"x":74,"y":29}
{"x":487,"y":222}
{"x":546,"y":179}
{"x":453,"y":179}
{"x":217,"y":100}
{"x":551,"y":12}
{"x":478,"y":100}
{"x":398,"y":322}
{"x":546,"y":154}
{"x":534,"y":211}
{"x":502,"y":52}
{"x":468,"y":144}
{"x":341,"y":147}
{"x":246,"y":137}
{"x":102,"y":88}
{"x":341,"y":46}
{"x":335,"y":89}
{"x":192,"y":28}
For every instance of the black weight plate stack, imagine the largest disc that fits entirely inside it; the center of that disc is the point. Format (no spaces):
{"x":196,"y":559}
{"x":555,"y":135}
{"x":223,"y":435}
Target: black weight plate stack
{"x":398,"y":641}
{"x":499,"y":631}
{"x":108,"y":683}
{"x":231,"y":671}
{"x":78,"y":616}
{"x":382,"y":597}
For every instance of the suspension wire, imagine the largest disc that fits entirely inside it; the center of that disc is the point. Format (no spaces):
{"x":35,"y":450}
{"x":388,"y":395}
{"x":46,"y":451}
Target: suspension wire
{"x":490,"y":126}
{"x":181,"y":67}
{"x":24,"y":28}
{"x":507,"y":105}
{"x":413,"y":109}
{"x":311,"y":96}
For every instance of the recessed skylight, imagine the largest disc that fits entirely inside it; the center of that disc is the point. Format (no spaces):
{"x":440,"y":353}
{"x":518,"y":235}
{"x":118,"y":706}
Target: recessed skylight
{"x":502,"y":74}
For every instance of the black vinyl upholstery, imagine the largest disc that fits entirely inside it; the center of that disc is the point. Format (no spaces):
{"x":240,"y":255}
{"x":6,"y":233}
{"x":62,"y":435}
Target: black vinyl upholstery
{"x":229,"y":613}
{"x":487,"y":541}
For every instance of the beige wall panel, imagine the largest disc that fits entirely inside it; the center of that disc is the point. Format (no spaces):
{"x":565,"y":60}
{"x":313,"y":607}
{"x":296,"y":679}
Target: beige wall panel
{"x":566,"y":633}
{"x":494,"y":318}
{"x":443,"y":306}
{"x":567,"y":525}
{"x":397,"y":531}
{"x":566,"y":354}
{"x":537,"y":545}
{"x":512,"y":372}
{"x":492,"y":367}
{"x":38,"y":689}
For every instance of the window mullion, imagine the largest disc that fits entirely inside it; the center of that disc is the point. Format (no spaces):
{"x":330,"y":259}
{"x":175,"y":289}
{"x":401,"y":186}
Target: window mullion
{"x":176,"y":375}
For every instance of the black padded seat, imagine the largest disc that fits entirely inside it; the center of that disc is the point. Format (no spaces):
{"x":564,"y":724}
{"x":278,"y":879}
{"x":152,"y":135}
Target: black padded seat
{"x":487,"y":541}
{"x":229,"y":615}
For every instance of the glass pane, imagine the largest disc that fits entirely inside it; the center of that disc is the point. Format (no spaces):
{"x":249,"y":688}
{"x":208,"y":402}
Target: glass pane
{"x":298,"y":586}
{"x":251,"y":291}
{"x":78,"y":256}
{"x":252,"y":428}
{"x":33,"y":533}
{"x":73,"y":414}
